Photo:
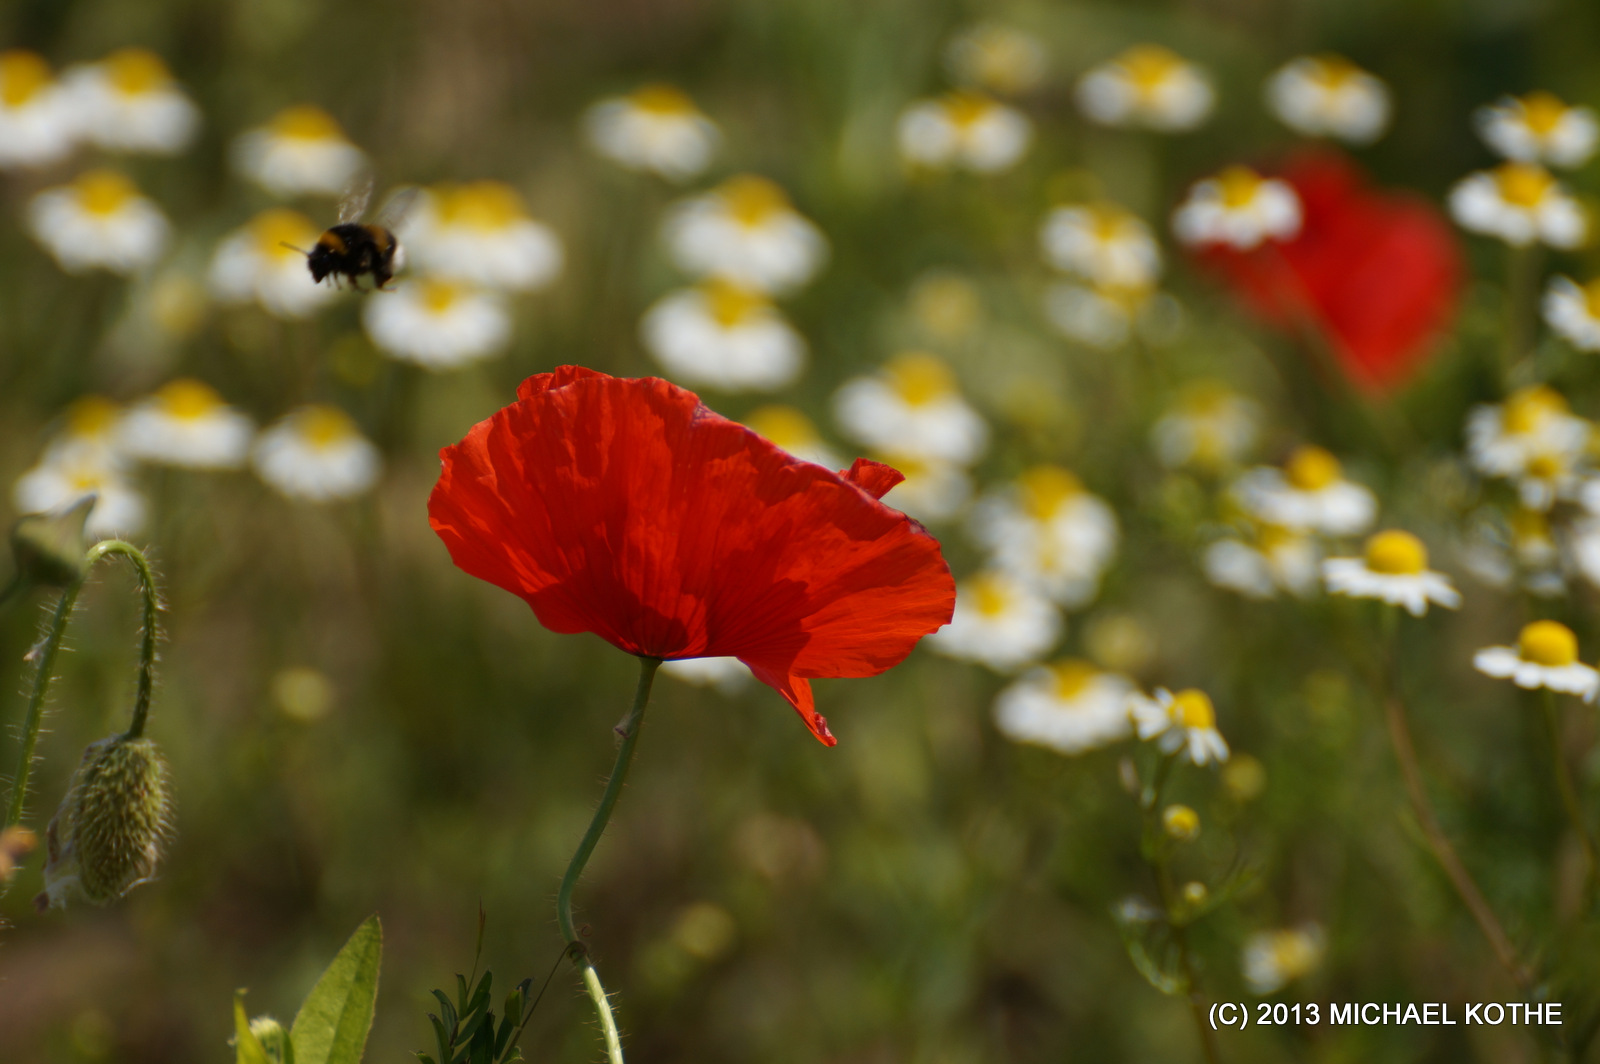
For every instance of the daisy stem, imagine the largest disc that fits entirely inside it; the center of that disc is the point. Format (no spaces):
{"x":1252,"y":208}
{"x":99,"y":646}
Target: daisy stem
{"x":1569,"y":794}
{"x":1522,"y":275}
{"x":44,"y":653}
{"x":629,"y":730}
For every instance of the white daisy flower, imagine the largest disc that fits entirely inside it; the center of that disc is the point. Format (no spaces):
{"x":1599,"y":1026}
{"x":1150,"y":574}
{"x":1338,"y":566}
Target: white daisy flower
{"x":186,"y":423}
{"x":90,"y":433}
{"x":1538,"y":127}
{"x":1147,"y":86}
{"x":100,"y":221}
{"x":728,"y":675}
{"x":478,"y":233}
{"x":437,"y":324}
{"x":130,"y":102}
{"x":38,"y":122}
{"x":655,"y":128}
{"x":1000,"y":622}
{"x":317,"y":453}
{"x":1546,"y":655}
{"x":1329,"y":96}
{"x":725,"y":337}
{"x":1582,"y":544}
{"x":302,"y":151}
{"x":745,"y":231}
{"x":996,"y":58}
{"x":1573,"y":311}
{"x":794,"y":432}
{"x":1394,"y":569}
{"x":1069,"y":706}
{"x":264,"y":263}
{"x":1272,"y":960}
{"x":1533,"y":439}
{"x":963,"y":129}
{"x":1210,"y":426}
{"x":1047,"y":530}
{"x":1103,"y":244}
{"x":1520,"y":203}
{"x":1185,"y":722}
{"x":933,"y":491}
{"x":65,"y":477}
{"x":1276,"y":560}
{"x":1103,"y":318}
{"x":1310,"y":494}
{"x":1239,"y":208}
{"x":912,"y":407}
{"x":1505,"y":552}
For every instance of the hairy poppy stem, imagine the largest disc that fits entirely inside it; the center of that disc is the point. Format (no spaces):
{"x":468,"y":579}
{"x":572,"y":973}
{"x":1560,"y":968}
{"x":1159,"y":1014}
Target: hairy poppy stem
{"x":629,"y":730}
{"x":44,"y":653}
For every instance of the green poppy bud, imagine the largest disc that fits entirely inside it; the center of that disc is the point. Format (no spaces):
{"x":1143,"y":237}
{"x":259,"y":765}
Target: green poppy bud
{"x":106,"y":837}
{"x":49,"y":547}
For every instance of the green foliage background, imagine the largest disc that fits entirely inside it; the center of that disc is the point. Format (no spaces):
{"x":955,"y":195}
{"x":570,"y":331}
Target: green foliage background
{"x":925,"y":892}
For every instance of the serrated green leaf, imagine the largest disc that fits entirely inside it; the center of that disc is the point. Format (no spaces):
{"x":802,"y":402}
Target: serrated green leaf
{"x":247,"y":1048}
{"x":334,"y":1020}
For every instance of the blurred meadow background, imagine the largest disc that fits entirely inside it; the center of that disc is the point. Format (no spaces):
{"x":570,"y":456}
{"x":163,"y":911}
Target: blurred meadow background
{"x":355,"y":726}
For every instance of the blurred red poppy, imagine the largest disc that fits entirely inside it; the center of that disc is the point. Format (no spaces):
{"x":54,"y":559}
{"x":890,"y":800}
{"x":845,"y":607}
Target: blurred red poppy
{"x":625,"y":508}
{"x":1377,"y":274}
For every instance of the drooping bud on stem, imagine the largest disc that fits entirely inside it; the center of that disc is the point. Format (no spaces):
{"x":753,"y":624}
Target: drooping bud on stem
{"x":49,"y":547}
{"x":106,"y":837}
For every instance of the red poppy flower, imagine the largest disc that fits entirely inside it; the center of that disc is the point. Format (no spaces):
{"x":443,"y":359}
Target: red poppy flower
{"x":625,"y":508}
{"x":1375,"y":273}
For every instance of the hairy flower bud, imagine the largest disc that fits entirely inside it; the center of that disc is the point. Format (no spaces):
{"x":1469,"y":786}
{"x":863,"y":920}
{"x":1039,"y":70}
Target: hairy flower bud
{"x":273,"y":1038}
{"x":106,"y":837}
{"x":49,"y":547}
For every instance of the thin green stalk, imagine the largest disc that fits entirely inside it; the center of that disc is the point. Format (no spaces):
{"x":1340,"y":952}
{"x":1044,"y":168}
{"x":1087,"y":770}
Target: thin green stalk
{"x":1569,"y":793}
{"x":629,"y":730}
{"x":1522,"y":278}
{"x":44,"y":654}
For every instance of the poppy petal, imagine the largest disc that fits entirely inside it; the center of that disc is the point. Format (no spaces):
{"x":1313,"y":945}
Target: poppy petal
{"x":798,"y":693}
{"x":874,"y":478}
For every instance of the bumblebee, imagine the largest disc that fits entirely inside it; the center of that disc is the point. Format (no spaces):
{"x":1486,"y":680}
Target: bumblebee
{"x":351,"y":248}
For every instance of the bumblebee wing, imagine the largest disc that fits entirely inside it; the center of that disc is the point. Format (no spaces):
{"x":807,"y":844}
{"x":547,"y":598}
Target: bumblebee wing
{"x":356,"y":197}
{"x":393,"y":214}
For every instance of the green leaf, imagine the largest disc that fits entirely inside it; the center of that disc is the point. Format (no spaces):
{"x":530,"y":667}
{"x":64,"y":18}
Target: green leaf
{"x":333,"y":1022}
{"x":248,"y":1049}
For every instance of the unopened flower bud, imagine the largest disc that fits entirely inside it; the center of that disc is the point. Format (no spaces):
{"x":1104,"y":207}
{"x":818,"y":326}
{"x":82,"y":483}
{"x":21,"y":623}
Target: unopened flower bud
{"x":1181,"y":822}
{"x":273,"y":1038}
{"x":49,"y":547}
{"x":106,"y":837}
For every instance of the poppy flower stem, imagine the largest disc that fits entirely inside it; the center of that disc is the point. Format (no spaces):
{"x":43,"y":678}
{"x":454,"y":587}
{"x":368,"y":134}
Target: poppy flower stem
{"x":576,"y":949}
{"x":44,"y":653}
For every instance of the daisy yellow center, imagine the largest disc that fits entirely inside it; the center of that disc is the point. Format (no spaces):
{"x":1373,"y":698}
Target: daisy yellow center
{"x":1293,"y":953}
{"x":1523,"y":184}
{"x":919,"y":379}
{"x":87,"y":478}
{"x":22,"y":75}
{"x":1527,"y":525}
{"x":752,"y":200}
{"x":187,"y":399}
{"x":91,"y":416}
{"x":991,"y":595}
{"x":1180,"y":821}
{"x":136,"y":71}
{"x":104,"y":191}
{"x":1274,"y":538}
{"x":663,"y":100}
{"x":1070,"y":678}
{"x":1238,"y":186}
{"x":1312,"y":469}
{"x":1148,"y":66}
{"x":1545,"y":465}
{"x":1396,"y":553}
{"x":437,"y":296}
{"x":1591,"y":298}
{"x":306,"y":123}
{"x":483,"y":205}
{"x":730,"y":304}
{"x":1333,"y":72}
{"x":965,"y":109}
{"x":276,"y":230}
{"x":1542,"y":112}
{"x":1548,"y":643}
{"x":1527,"y":408}
{"x":324,"y":426}
{"x":1111,"y":224}
{"x":783,"y":425}
{"x":1192,"y":709}
{"x":1045,"y":489}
